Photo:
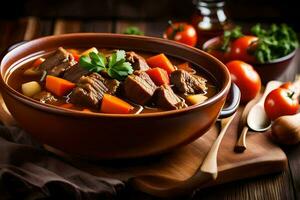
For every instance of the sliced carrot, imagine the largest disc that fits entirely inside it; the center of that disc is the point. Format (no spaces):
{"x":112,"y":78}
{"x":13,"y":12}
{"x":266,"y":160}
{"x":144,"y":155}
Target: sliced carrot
{"x":58,"y":86}
{"x":75,"y":54}
{"x":114,"y":105}
{"x":159,"y":76}
{"x":67,"y":105}
{"x":38,"y":62}
{"x":161,"y":61}
{"x":186,"y":66}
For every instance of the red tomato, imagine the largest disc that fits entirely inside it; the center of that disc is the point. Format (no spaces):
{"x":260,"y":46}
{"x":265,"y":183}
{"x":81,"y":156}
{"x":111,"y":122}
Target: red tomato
{"x":246,"y":78}
{"x":288,"y":85}
{"x":280,"y":102}
{"x":181,"y":32}
{"x":240,"y":49}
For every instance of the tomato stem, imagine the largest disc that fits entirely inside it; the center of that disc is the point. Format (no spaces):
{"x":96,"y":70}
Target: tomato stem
{"x":291,"y":94}
{"x":175,"y":29}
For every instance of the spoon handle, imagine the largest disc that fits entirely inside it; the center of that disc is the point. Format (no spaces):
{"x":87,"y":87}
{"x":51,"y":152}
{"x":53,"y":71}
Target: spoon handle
{"x":209,"y":164}
{"x":241,"y":146}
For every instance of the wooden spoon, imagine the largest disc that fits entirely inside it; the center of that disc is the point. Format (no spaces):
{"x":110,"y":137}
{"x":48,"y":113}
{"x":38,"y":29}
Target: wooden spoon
{"x":257,"y":118}
{"x":241,"y":146}
{"x":163,"y":186}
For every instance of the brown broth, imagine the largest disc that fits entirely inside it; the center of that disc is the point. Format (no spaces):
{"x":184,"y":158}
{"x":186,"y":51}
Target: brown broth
{"x":16,"y":78}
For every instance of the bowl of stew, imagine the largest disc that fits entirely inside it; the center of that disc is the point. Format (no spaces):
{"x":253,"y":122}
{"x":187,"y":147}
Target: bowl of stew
{"x":108,"y":96}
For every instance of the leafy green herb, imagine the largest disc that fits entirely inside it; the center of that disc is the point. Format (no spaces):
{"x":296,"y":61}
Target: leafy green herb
{"x":133,"y":30}
{"x":274,"y":42}
{"x":93,"y":62}
{"x":230,"y":35}
{"x":115,"y":65}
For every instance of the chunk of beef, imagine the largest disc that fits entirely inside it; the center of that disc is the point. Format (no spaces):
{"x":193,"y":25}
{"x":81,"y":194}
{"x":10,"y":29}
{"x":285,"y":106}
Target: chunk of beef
{"x":90,"y":90}
{"x":137,"y":61}
{"x":45,"y":97}
{"x":58,"y":63}
{"x":75,"y":72}
{"x":112,"y":85}
{"x":139,"y":87}
{"x":188,"y":83}
{"x":167,"y":99}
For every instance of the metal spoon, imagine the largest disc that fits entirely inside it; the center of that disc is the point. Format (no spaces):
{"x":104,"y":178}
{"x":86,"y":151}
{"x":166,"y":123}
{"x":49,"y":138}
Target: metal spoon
{"x":257,"y":118}
{"x":165,"y":186}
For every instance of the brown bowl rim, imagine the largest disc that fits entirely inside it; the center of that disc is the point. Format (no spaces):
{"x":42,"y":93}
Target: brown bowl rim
{"x":58,"y":110}
{"x":275,"y":61}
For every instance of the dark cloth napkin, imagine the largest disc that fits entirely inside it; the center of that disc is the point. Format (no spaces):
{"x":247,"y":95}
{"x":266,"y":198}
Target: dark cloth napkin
{"x":27,"y":171}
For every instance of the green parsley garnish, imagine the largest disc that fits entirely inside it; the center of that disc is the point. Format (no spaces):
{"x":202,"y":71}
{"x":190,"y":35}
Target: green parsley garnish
{"x":133,"y":30}
{"x":274,"y":42}
{"x":115,"y":65}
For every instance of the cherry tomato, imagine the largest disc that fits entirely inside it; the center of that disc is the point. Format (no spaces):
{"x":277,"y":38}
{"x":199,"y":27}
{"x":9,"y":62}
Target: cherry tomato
{"x":240,"y":49}
{"x":280,"y":102}
{"x":246,"y":78}
{"x":181,"y":32}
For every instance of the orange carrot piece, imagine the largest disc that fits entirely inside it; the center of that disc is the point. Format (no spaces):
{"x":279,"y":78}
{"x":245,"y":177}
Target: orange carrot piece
{"x":58,"y":86}
{"x":114,"y":105}
{"x":67,"y":105}
{"x":186,"y":66}
{"x":38,"y":62}
{"x":159,"y":76}
{"x":86,"y":110}
{"x":161,"y":61}
{"x":75,"y":54}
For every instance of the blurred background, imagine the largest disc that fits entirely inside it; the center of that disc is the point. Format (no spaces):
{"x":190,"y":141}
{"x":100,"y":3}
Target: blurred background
{"x":238,"y":10}
{"x":28,"y":19}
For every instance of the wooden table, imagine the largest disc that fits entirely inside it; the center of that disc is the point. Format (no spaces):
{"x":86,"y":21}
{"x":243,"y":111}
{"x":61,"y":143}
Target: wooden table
{"x":280,"y":186}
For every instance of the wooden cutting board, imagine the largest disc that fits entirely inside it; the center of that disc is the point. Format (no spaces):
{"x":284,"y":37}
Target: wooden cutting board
{"x":261,"y":157}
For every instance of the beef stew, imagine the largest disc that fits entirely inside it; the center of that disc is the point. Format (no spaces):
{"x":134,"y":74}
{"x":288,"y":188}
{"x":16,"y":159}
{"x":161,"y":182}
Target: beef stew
{"x":129,"y":82}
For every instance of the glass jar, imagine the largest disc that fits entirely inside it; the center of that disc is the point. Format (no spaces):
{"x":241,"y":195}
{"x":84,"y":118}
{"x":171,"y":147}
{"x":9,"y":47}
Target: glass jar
{"x":210,"y":19}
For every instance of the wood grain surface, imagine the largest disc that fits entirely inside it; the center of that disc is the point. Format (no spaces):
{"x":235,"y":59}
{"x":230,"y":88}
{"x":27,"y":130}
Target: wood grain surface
{"x":261,"y":157}
{"x":285,"y":185}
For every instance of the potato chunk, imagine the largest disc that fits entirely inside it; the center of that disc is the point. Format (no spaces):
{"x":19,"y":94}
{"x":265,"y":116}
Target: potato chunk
{"x":31,"y":88}
{"x":196,"y":99}
{"x":85,"y":53}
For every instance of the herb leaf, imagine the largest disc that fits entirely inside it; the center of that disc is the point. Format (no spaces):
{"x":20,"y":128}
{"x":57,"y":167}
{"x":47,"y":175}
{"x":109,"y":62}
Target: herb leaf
{"x":86,"y":62}
{"x":133,"y":30}
{"x":116,"y":65}
{"x":98,"y":59}
{"x":118,"y":68}
{"x":274,"y":42}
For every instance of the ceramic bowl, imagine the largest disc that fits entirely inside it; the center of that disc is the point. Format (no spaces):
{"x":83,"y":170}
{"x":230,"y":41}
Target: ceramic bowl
{"x":111,"y":136}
